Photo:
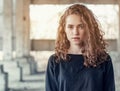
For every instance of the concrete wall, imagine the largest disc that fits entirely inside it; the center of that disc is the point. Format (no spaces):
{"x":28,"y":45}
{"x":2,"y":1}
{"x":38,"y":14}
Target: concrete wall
{"x":73,"y":1}
{"x":40,"y":45}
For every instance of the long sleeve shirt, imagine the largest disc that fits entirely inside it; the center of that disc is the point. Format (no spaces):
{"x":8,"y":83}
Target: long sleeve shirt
{"x":74,"y":76}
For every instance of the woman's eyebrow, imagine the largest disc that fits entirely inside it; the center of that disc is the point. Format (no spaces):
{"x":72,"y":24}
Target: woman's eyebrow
{"x":73,"y":24}
{"x":80,"y":24}
{"x":70,"y":24}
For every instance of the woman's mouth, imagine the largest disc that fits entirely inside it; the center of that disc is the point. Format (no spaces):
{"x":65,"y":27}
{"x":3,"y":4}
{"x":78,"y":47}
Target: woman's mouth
{"x":75,"y":38}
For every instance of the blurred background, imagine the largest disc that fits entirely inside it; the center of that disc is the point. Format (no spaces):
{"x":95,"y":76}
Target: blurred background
{"x":27,"y":36}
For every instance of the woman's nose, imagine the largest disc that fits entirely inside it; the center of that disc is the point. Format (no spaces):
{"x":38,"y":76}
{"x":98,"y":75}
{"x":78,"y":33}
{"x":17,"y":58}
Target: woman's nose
{"x":75,"y":31}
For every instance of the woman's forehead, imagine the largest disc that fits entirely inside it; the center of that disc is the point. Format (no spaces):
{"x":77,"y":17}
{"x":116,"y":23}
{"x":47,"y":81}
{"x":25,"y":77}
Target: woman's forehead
{"x":73,"y":19}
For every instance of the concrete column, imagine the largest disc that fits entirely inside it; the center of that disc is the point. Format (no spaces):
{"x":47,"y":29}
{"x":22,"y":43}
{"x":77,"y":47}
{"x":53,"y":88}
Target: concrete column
{"x":19,"y":28}
{"x":22,"y":37}
{"x":118,"y":41}
{"x":3,"y":79}
{"x":26,"y":21}
{"x":8,"y":27}
{"x":22,"y":21}
{"x":11,"y":67}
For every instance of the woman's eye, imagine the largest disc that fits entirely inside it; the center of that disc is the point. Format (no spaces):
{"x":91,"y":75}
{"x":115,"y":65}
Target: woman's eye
{"x":81,"y":26}
{"x":71,"y":27}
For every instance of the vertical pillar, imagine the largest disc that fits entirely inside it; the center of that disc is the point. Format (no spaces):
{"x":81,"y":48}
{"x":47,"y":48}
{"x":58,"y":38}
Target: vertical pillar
{"x":19,"y":28}
{"x":118,"y":41}
{"x":26,"y":47}
{"x":3,"y":79}
{"x":8,"y":26}
{"x":9,"y":66}
{"x":26,"y":16}
{"x":22,"y":27}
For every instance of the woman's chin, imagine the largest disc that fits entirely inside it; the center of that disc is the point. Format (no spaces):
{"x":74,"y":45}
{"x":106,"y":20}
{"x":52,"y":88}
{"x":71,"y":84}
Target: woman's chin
{"x":76,"y":43}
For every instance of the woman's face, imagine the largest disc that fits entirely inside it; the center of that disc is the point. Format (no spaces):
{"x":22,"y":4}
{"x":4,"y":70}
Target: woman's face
{"x":74,"y":29}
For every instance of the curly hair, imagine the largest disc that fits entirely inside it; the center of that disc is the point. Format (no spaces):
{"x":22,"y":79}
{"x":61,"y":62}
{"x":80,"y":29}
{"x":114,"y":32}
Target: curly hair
{"x":94,"y":48}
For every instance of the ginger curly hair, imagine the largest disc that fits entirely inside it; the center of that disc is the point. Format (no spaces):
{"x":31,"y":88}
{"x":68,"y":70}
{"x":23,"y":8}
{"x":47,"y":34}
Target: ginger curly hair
{"x":94,"y":48}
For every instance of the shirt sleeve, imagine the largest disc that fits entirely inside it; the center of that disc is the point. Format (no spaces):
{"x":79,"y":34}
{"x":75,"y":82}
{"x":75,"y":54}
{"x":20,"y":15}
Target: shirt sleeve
{"x":109,"y":81}
{"x":50,"y":81}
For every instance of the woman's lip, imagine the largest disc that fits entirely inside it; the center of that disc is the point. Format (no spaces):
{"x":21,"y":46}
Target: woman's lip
{"x":75,"y":38}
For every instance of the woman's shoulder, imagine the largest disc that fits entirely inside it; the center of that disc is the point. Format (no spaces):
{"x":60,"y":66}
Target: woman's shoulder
{"x":51,"y":59}
{"x":108,"y":61}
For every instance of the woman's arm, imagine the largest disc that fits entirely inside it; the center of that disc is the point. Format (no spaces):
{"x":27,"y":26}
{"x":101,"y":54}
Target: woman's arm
{"x":50,"y":81}
{"x":109,"y":81}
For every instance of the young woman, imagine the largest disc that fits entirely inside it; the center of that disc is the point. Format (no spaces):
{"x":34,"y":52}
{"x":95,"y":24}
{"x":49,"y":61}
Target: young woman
{"x":80,"y":61}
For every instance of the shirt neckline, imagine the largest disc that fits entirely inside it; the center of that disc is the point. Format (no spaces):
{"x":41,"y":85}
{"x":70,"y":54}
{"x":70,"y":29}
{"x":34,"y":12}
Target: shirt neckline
{"x":75,"y":54}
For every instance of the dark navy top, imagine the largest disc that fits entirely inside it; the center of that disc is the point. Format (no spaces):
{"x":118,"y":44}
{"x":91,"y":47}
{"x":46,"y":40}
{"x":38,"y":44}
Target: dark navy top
{"x":74,"y":76}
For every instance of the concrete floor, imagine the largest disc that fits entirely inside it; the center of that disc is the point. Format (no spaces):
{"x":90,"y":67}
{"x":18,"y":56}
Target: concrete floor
{"x":31,"y":83}
{"x":36,"y":82}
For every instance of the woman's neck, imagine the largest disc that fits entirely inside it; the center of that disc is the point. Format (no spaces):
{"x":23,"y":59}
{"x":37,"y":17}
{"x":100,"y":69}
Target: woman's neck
{"x":74,"y":49}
